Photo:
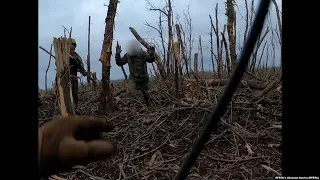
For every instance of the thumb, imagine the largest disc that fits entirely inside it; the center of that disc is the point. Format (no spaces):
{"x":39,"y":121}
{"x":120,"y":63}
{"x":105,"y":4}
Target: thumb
{"x":73,"y":151}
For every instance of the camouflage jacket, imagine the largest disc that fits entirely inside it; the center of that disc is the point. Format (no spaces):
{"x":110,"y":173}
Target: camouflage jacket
{"x":137,"y":65}
{"x":76,"y":64}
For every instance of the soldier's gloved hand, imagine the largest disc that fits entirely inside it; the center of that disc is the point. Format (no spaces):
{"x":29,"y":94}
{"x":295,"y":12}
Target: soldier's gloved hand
{"x":151,"y":50}
{"x":118,"y":48}
{"x":72,"y":140}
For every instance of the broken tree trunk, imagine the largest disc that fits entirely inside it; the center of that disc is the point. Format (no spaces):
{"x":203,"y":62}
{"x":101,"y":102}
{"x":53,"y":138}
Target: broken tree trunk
{"x":221,"y":65}
{"x":230,"y":27}
{"x":146,"y":45}
{"x":247,"y":22}
{"x":176,"y":49}
{"x":184,"y":57}
{"x":211,"y":43}
{"x":279,"y":20}
{"x":46,"y":80}
{"x":88,"y":56}
{"x":195,"y":63}
{"x":219,"y":60}
{"x":106,"y":55}
{"x":228,"y":62}
{"x":170,"y":36}
{"x":201,"y":55}
{"x":62,"y":51}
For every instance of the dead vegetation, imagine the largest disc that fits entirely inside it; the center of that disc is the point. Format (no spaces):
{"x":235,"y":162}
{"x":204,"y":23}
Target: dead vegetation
{"x":153,"y":141}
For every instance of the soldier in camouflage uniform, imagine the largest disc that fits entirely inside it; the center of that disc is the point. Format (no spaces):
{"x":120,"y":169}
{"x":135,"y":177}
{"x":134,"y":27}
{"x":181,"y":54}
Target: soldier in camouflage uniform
{"x":137,"y":61}
{"x":76,"y":65}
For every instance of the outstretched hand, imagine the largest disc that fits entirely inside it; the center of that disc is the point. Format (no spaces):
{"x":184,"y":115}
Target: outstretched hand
{"x":72,"y":140}
{"x":118,"y":48}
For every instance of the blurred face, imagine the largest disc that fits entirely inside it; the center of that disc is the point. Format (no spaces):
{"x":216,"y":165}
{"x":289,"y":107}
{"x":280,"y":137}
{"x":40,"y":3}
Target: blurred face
{"x":72,"y":48}
{"x":134,"y":47}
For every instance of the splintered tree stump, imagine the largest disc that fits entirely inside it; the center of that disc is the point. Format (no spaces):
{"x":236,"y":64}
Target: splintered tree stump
{"x":62,"y":51}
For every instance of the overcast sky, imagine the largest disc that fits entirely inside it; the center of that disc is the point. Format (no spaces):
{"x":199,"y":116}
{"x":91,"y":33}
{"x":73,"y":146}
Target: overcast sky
{"x":75,"y":13}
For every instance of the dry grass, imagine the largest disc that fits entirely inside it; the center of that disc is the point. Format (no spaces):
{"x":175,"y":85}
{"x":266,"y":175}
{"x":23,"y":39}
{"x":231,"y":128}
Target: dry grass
{"x":153,"y":141}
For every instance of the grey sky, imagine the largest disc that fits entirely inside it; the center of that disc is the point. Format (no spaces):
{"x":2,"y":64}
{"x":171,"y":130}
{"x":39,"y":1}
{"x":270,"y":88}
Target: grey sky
{"x":75,"y":13}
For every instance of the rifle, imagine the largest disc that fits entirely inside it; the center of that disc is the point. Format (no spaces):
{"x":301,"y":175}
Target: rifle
{"x":84,"y":72}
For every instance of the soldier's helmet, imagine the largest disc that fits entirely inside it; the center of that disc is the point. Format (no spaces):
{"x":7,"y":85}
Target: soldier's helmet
{"x":134,"y":47}
{"x":74,"y":42}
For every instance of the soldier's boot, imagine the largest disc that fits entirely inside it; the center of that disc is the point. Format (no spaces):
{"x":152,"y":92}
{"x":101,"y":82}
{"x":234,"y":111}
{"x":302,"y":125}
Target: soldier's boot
{"x":146,"y":97}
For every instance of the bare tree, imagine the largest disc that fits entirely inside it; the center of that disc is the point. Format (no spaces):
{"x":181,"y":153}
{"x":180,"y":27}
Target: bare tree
{"x":228,"y":61}
{"x":267,"y":58}
{"x":255,"y":53}
{"x":167,"y":11}
{"x":230,"y":12}
{"x":176,"y":48}
{"x":201,"y":55}
{"x":213,"y":28}
{"x":280,"y":27}
{"x":189,"y":28}
{"x":106,"y":55}
{"x":195,"y":63}
{"x":252,"y":12}
{"x":159,"y":29}
{"x":279,"y":20}
{"x":170,"y":34}
{"x":48,"y":69}
{"x":220,"y":55}
{"x":88,"y":56}
{"x":260,"y":60}
{"x":211,"y":50}
{"x":273,"y":51}
{"x":182,"y":49}
{"x":219,"y":60}
{"x":247,"y":22}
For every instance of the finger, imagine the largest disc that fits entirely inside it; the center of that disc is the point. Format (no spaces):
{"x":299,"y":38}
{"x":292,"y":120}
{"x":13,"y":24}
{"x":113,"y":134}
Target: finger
{"x":94,"y":123}
{"x":100,"y":150}
{"x":73,"y":152}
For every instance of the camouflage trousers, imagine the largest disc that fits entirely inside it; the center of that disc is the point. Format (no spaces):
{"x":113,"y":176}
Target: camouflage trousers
{"x":142,"y":86}
{"x":74,"y":89}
